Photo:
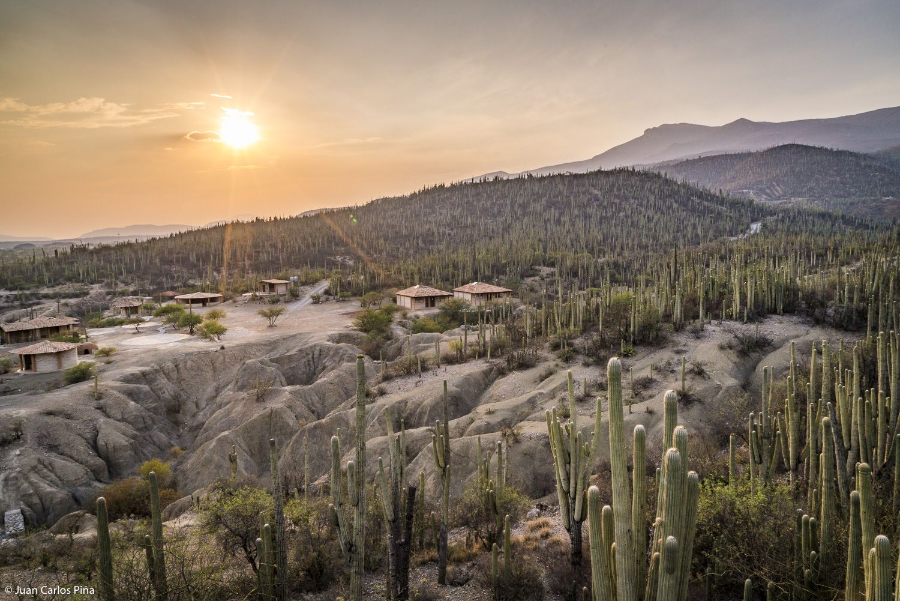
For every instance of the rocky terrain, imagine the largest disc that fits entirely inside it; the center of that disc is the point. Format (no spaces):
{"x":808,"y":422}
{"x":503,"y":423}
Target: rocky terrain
{"x":296,"y":384}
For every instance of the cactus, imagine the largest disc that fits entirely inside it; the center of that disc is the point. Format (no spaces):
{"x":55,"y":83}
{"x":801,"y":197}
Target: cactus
{"x":440,"y":444}
{"x":266,"y":563}
{"x":105,"y":551}
{"x":507,"y":549}
{"x":495,"y":570}
{"x":278,"y":547}
{"x":160,"y":585}
{"x":352,"y":541}
{"x":396,"y":508}
{"x":232,"y":459}
{"x":618,"y":550}
{"x":571,"y":459}
{"x":854,"y":551}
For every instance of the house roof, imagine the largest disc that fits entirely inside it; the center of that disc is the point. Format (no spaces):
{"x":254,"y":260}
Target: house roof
{"x":44,"y":348}
{"x":38,"y":323}
{"x":481,"y":288}
{"x":199,"y":295}
{"x":121,"y":303}
{"x":418,"y":291}
{"x":169,"y":294}
{"x":275,"y":282}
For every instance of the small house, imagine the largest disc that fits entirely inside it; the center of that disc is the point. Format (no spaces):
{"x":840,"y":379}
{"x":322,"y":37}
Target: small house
{"x":47,"y":356}
{"x":479,"y":293}
{"x":421,"y":297}
{"x":200,"y":299}
{"x":127,"y":307}
{"x":279,"y":287}
{"x":36,"y":329}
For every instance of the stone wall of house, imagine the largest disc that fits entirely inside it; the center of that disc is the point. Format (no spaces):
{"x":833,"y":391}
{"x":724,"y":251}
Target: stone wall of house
{"x":50,"y":362}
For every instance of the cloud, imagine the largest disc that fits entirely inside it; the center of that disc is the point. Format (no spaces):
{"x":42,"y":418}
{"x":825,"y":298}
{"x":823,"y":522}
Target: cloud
{"x":204,"y":136}
{"x":222,"y":96}
{"x":87,"y":113}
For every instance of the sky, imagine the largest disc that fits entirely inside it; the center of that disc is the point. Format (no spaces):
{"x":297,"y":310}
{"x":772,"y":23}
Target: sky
{"x":116,"y":113}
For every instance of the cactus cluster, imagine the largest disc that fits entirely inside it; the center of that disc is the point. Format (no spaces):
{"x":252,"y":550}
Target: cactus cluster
{"x":618,"y":534}
{"x":398,"y":509}
{"x":351,"y":530}
{"x":440,"y":445}
{"x":572,"y":458}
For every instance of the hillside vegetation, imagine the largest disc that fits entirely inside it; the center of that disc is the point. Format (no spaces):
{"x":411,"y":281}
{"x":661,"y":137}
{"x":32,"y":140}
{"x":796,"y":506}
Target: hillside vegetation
{"x":446,"y":234}
{"x":788,"y":172}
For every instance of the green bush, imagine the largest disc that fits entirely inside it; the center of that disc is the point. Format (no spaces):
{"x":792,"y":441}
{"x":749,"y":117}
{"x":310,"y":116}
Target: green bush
{"x":7,"y":364}
{"x":166,"y":310}
{"x":231,"y":515}
{"x":131,"y":497}
{"x":451,"y":313}
{"x":105,"y":351}
{"x":211,"y":330}
{"x":742,"y":535}
{"x":472,"y":511}
{"x":189,"y":321}
{"x":162,"y":469}
{"x":425,"y":325}
{"x":373,"y":321}
{"x":316,"y":556}
{"x":78,"y":373}
{"x":214,"y":314}
{"x":69,"y":337}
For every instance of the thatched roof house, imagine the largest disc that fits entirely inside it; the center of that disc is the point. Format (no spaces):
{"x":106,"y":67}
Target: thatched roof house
{"x":47,"y":356}
{"x":421,"y":297}
{"x":36,"y":329}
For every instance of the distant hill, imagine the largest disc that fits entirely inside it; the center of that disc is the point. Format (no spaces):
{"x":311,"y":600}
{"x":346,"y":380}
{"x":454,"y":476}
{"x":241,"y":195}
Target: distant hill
{"x":865,"y":132}
{"x":5,"y":238}
{"x":137,"y":230}
{"x":789,"y":172}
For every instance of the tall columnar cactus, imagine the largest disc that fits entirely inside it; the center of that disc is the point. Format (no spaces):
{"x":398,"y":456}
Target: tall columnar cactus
{"x":397,"y":512}
{"x":440,"y":445}
{"x":160,"y":583}
{"x":232,"y":460}
{"x":104,"y":548}
{"x":854,"y":551}
{"x":279,"y":548}
{"x":352,"y":542}
{"x":828,"y":498}
{"x":266,"y":558}
{"x":618,"y":552}
{"x":572,"y":458}
{"x":625,"y":568}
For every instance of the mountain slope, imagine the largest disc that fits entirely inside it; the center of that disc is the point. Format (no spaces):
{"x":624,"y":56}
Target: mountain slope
{"x":145,"y":229}
{"x":789,"y":172}
{"x":446,"y":234}
{"x":865,"y":132}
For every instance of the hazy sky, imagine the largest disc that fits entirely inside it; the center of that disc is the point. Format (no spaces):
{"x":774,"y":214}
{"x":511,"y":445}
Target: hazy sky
{"x":356,"y":100}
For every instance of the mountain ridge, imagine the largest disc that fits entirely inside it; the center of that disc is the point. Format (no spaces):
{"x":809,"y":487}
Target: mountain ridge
{"x":867,"y":132}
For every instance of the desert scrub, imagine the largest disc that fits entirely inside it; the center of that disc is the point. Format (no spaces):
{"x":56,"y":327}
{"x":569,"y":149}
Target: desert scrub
{"x":78,"y":373}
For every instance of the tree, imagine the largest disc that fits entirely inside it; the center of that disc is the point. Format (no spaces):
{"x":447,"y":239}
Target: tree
{"x":162,"y":469}
{"x":231,"y":515}
{"x":211,"y":330}
{"x":272,"y":314}
{"x":189,"y":321}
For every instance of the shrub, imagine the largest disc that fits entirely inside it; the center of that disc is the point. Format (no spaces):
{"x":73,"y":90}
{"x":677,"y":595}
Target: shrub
{"x":272,"y":314}
{"x":451,"y":313}
{"x":105,"y":351}
{"x":189,"y":321}
{"x":472,"y":511}
{"x":70,"y":337}
{"x":371,"y":299}
{"x":131,"y":497}
{"x":377,"y":322}
{"x":425,"y":325}
{"x":231,"y":515}
{"x":167,"y":310}
{"x":743,"y":535}
{"x":78,"y":373}
{"x":7,"y":364}
{"x":211,"y":330}
{"x":162,"y":469}
{"x":214,"y":314}
{"x":523,"y":584}
{"x":315,"y":553}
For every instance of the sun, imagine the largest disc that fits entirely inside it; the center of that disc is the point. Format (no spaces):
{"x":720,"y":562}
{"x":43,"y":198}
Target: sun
{"x":237,"y":130}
